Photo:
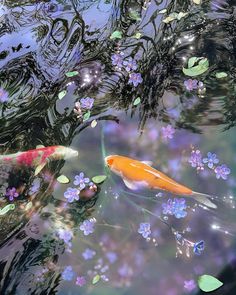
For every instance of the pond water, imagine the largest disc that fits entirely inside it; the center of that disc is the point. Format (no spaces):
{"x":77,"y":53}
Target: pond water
{"x":150,"y":80}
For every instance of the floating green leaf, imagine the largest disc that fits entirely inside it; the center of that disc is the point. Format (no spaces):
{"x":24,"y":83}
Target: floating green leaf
{"x":137,"y":101}
{"x":96,"y":279}
{"x":163,"y":11}
{"x":63,"y":179}
{"x":221,"y":75}
{"x":86,"y":116}
{"x":116,"y":35}
{"x":197,"y":70}
{"x":137,"y":35}
{"x":7,"y":208}
{"x":174,"y":16}
{"x":192,"y":61}
{"x":209,"y":283}
{"x":99,"y":179}
{"x":62,"y":94}
{"x":72,"y":74}
{"x":134,"y":15}
{"x":94,"y":123}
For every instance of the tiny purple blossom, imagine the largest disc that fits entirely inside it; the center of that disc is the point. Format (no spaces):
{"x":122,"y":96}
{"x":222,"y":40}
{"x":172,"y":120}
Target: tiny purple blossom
{"x":80,"y":281}
{"x":144,"y":230}
{"x":65,"y":235}
{"x":175,"y":207}
{"x":81,"y":181}
{"x":117,"y":59}
{"x":189,"y":285}
{"x":191,"y":84}
{"x":3,"y":95}
{"x":87,"y":103}
{"x":88,"y":254}
{"x":222,"y":172}
{"x":211,"y":160}
{"x":68,"y":273}
{"x":71,"y":194}
{"x":111,"y":256}
{"x":87,"y":227}
{"x":130,"y":64}
{"x":135,"y":79}
{"x":11,"y":193}
{"x":167,"y":132}
{"x":196,"y":160}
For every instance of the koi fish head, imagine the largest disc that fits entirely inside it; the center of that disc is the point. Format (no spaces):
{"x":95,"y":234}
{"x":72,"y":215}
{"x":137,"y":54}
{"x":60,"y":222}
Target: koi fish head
{"x":111,"y":161}
{"x":65,"y":153}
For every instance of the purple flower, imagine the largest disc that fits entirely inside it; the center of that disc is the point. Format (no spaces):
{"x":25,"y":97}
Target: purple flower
{"x":65,"y":235}
{"x":11,"y":193}
{"x":111,"y":256}
{"x":88,"y":254}
{"x":135,"y":79}
{"x":144,"y":230}
{"x":87,"y":227}
{"x":222,"y":172}
{"x":189,"y":285}
{"x":130,"y":64}
{"x":80,"y":281}
{"x":3,"y":95}
{"x":196,"y":160}
{"x":167,"y":132}
{"x":191,"y":84}
{"x":175,"y":207}
{"x":87,"y":103}
{"x":117,"y":59}
{"x":68,"y":273}
{"x":71,"y":194}
{"x":125,"y":271}
{"x":199,"y":247}
{"x":211,"y":160}
{"x":81,"y":181}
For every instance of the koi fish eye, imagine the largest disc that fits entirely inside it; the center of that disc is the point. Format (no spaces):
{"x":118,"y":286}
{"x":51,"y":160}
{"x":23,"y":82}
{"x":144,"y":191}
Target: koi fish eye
{"x":109,"y":161}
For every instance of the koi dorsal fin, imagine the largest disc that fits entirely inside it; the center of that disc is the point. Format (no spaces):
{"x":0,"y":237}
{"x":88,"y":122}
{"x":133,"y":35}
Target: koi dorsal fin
{"x":40,"y":146}
{"x":149,"y":163}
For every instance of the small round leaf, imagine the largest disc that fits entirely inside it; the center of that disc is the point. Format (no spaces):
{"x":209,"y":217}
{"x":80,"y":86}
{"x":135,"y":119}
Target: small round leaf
{"x":63,"y":179}
{"x":209,"y":283}
{"x":99,"y":179}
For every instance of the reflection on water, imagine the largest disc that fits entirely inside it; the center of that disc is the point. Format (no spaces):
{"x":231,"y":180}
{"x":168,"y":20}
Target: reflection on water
{"x":106,"y":77}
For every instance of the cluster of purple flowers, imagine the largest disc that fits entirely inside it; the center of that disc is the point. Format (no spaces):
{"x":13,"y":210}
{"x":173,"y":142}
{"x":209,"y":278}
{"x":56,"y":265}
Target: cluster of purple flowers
{"x":11,"y":193}
{"x":175,"y":207}
{"x":193,"y":84}
{"x":196,"y":161}
{"x":66,"y":236}
{"x":72,"y":194}
{"x":129,"y":65}
{"x":87,"y":226}
{"x":145,"y":230}
{"x":167,"y":132}
{"x":68,"y":275}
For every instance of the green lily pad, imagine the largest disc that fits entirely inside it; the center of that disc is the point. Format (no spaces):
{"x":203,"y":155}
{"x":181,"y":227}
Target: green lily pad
{"x":134,"y":15}
{"x":96,"y":279}
{"x":63,"y":179}
{"x":197,"y":70}
{"x":221,"y":75}
{"x":137,"y":101}
{"x":209,"y":283}
{"x":116,"y":35}
{"x":192,"y":61}
{"x":62,"y":94}
{"x":72,"y":74}
{"x":7,"y":208}
{"x":86,"y":116}
{"x":99,"y":179}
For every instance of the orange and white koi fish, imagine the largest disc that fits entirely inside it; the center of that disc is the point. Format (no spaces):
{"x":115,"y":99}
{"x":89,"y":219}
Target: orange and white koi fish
{"x":38,"y":157}
{"x":136,"y":174}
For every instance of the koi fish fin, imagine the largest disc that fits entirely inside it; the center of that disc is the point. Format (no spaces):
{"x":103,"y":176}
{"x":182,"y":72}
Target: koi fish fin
{"x":40,"y":146}
{"x":204,"y":199}
{"x":149,"y":163}
{"x":39,"y":168}
{"x":132,"y":186}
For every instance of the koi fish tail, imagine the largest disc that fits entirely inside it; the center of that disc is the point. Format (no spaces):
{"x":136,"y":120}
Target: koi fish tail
{"x":204,"y":199}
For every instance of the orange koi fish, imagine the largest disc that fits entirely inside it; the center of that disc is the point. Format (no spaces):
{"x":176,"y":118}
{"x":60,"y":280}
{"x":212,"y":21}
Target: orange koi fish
{"x":136,"y":174}
{"x":38,"y":157}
